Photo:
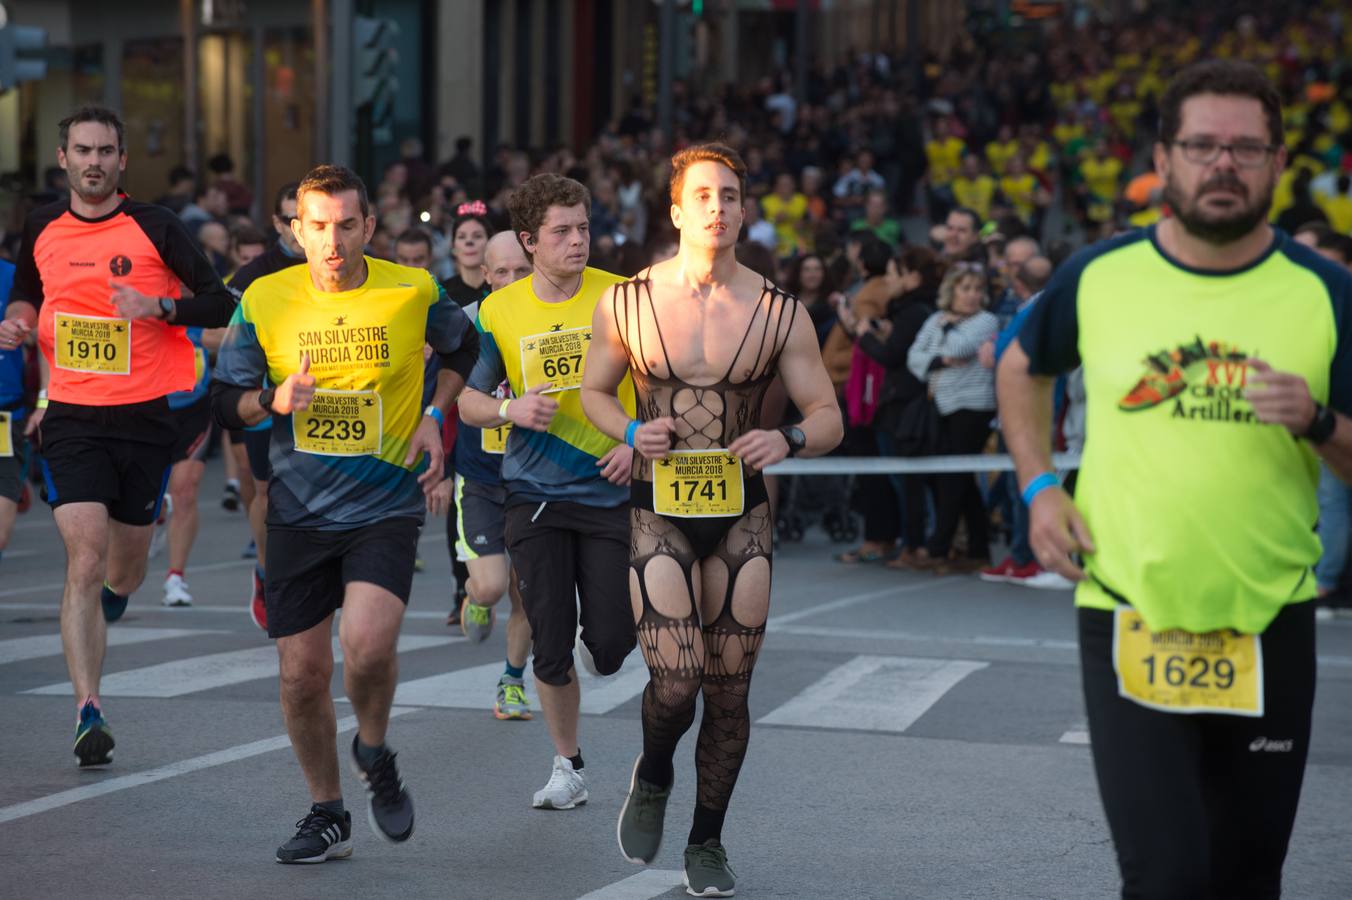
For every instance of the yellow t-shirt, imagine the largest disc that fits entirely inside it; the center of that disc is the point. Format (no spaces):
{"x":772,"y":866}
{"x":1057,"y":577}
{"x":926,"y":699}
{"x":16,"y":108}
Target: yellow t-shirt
{"x":975,"y":193}
{"x":1021,"y":192}
{"x":999,"y":153}
{"x":945,"y":159}
{"x":788,"y":232}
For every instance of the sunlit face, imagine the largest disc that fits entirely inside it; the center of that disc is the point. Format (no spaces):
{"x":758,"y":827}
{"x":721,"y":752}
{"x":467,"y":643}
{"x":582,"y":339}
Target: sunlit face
{"x":415,"y":254}
{"x":504,"y":261}
{"x":960,"y":235}
{"x":710,"y":213}
{"x":468,"y":247}
{"x":811,"y":274}
{"x":563,"y":243}
{"x":282,"y":224}
{"x":333,"y":233}
{"x":969,"y":295}
{"x":92,"y":160}
{"x":1220,"y":201}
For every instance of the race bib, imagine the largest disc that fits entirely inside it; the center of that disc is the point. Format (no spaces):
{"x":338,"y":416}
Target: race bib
{"x":494,"y":440}
{"x":93,"y":344}
{"x":698,"y":484}
{"x":6,"y":433}
{"x":339,"y":423}
{"x":1181,"y":672}
{"x":554,"y":357}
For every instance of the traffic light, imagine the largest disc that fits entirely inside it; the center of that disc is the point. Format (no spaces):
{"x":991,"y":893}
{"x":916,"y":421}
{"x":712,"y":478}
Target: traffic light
{"x":375,"y":60}
{"x":14,"y":67}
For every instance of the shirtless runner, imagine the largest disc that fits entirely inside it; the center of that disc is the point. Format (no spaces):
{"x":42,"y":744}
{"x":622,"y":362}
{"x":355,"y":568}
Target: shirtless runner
{"x":703,"y":338}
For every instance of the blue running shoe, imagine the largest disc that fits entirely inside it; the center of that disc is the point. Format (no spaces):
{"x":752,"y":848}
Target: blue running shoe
{"x":114,"y":605}
{"x":93,"y":737}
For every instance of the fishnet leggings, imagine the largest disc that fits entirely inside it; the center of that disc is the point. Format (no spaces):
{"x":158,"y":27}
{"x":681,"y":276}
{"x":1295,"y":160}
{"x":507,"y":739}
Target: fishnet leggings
{"x":700,"y":627}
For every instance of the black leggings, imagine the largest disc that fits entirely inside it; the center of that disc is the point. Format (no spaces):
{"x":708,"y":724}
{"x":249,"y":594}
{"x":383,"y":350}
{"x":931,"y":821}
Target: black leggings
{"x":956,"y":496}
{"x":1201,"y":806}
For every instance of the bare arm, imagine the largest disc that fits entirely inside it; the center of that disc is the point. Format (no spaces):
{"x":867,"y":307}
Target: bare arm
{"x":605,"y":368}
{"x":480,"y":409}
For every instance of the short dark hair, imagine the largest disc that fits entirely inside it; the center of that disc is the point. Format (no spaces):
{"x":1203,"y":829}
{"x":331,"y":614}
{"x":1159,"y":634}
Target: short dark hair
{"x":247,"y":234}
{"x":415,"y":235}
{"x":181,"y":172}
{"x":530,"y":203}
{"x":719,"y":153}
{"x":333,"y":180}
{"x":284,"y":193}
{"x":101,"y":114}
{"x":221,"y":164}
{"x":873,"y":254}
{"x":970,"y":214}
{"x":1225,"y":77}
{"x":925,"y":263}
{"x":1340,"y":244}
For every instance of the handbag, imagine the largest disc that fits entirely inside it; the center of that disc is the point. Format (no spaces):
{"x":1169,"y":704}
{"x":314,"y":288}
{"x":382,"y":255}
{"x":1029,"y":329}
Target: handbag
{"x":863,"y":388}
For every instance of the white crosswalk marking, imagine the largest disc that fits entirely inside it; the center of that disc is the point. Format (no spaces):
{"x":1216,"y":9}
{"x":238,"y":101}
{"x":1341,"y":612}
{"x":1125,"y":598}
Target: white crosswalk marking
{"x":645,"y":885}
{"x":38,"y":646}
{"x":473,"y":688}
{"x":874,"y":693}
{"x":202,"y":673}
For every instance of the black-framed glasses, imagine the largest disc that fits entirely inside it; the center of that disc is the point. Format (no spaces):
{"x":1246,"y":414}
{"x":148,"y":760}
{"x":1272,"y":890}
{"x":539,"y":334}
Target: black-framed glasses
{"x":1246,"y":154}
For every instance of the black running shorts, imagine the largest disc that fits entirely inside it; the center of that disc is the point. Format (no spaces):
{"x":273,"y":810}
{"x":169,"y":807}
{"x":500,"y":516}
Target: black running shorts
{"x":119,"y":456}
{"x":309,"y":569}
{"x":565,"y":552}
{"x":11,"y":466}
{"x":194,"y":428}
{"x":256,"y":446}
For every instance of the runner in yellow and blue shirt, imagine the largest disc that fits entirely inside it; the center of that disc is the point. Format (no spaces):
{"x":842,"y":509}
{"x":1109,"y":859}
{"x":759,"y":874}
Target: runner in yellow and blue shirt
{"x":1217,"y":358}
{"x":567,"y":513}
{"x":342,"y":338}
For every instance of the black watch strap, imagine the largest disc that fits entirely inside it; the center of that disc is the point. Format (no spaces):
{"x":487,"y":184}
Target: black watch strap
{"x":795,"y":438}
{"x":265,"y":398}
{"x":166,"y":307}
{"x":1322,"y":426}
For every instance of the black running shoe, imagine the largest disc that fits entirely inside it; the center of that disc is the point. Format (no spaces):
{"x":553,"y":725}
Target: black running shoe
{"x":93,"y":737}
{"x":319,"y":836}
{"x":389,"y":808}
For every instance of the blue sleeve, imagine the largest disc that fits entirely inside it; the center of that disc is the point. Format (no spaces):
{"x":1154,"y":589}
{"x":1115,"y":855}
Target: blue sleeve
{"x":451,"y":334}
{"x":489,"y":370}
{"x":1050,"y":330}
{"x":1340,"y":370}
{"x":241,"y":360}
{"x":1011,"y":331}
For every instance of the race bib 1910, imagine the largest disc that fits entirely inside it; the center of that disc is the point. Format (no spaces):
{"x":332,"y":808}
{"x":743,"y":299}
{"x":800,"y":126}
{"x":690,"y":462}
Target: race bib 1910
{"x":93,"y":344}
{"x":494,"y":440}
{"x":555,"y":358}
{"x":697,"y":484}
{"x":1182,"y":672}
{"x":6,"y":433}
{"x":339,"y":423}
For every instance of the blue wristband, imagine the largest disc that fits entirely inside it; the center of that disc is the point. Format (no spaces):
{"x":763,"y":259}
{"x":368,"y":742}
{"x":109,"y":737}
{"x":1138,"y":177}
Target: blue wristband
{"x":1038,"y":485}
{"x":629,"y":432}
{"x":436,"y":414}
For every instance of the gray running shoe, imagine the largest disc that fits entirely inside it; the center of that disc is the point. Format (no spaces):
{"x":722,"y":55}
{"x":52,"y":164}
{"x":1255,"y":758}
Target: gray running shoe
{"x":640,"y":827}
{"x":389,"y":808}
{"x":707,"y":873}
{"x":476,"y":621}
{"x":511,"y":702}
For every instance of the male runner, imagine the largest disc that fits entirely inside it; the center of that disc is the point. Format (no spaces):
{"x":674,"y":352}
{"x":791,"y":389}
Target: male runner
{"x":566,"y":521}
{"x":99,"y":276}
{"x":342,"y":339}
{"x":11,"y":420}
{"x":283,"y":254}
{"x":1197,"y":484}
{"x":703,"y":337}
{"x":480,"y":498}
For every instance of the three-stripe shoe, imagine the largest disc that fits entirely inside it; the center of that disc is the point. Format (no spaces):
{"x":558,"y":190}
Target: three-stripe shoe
{"x":319,"y":836}
{"x":389,"y":808}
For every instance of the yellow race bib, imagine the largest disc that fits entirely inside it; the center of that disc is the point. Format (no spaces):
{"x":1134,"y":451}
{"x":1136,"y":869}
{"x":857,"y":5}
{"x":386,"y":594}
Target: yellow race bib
{"x":494,"y":440}
{"x":698,"y":484}
{"x":339,"y":423}
{"x":93,"y":344}
{"x":6,"y":433}
{"x":554,"y":357}
{"x":1182,"y":672}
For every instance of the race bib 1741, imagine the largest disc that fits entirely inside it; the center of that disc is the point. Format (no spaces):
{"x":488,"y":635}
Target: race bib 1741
{"x":697,"y":484}
{"x":1181,"y":672}
{"x":339,"y":423}
{"x":554,"y":357}
{"x":93,"y":344}
{"x":495,"y":439}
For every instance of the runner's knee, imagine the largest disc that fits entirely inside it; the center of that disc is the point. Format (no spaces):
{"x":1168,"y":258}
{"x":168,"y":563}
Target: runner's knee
{"x":552,"y":666}
{"x":608,"y":653}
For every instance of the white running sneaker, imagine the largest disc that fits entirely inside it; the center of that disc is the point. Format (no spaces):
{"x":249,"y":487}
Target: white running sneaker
{"x":1049,"y":581}
{"x":176,"y":591}
{"x":566,"y":789}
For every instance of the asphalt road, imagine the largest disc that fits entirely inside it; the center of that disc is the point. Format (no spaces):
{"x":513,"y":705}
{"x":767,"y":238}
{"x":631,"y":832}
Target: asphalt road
{"x":913,"y":737}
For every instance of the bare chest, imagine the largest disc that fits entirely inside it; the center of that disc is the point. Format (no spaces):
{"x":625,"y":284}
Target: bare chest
{"x":700,"y":340}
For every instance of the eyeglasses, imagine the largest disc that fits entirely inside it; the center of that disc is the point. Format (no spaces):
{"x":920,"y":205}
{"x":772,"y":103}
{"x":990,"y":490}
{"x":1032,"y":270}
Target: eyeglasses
{"x":1246,"y":154}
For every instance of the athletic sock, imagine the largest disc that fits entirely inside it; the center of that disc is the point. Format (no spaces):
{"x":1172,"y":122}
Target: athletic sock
{"x":512,"y":671}
{"x":577,"y":760}
{"x":109,"y":595}
{"x":333,"y":806}
{"x":173,"y":572}
{"x":367,"y":756}
{"x":658,"y":771}
{"x":708,"y":824}
{"x":232,"y":483}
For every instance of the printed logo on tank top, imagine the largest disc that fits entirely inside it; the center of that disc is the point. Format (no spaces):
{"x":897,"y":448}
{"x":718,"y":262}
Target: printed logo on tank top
{"x":120,"y":265}
{"x":1200,"y":380}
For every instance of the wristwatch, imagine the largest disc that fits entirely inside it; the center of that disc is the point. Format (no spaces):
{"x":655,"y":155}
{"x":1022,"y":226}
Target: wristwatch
{"x":1322,"y":425}
{"x":265,"y":398}
{"x":166,"y":307}
{"x":794,"y":435}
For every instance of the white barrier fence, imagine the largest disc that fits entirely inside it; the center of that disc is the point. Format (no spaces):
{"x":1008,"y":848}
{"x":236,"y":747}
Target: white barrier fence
{"x":913,"y":465}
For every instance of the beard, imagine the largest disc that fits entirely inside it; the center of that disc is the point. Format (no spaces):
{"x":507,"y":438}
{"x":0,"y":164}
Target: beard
{"x":96,"y":194}
{"x":1218,"y":228}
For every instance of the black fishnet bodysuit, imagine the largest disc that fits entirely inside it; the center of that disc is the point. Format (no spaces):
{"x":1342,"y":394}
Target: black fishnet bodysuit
{"x":700,"y":587}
